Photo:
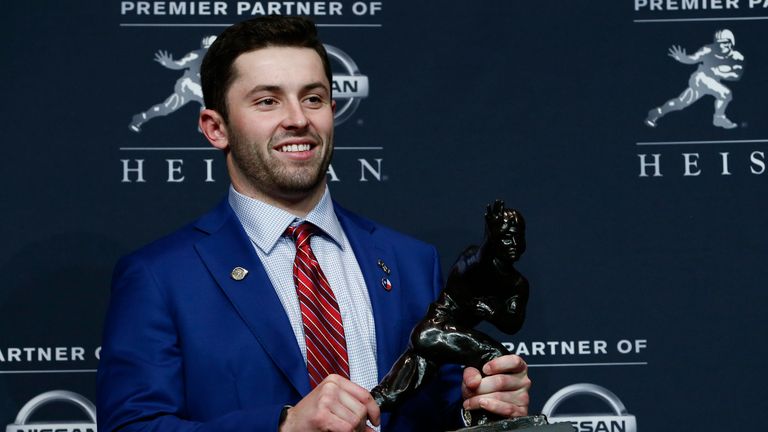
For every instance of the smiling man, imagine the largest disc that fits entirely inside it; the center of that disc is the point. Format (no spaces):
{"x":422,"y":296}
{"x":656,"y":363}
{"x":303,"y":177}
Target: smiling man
{"x":279,"y":127}
{"x":268,"y":313}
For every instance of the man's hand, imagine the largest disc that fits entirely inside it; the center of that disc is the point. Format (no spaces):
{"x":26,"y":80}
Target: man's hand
{"x":335,"y":405}
{"x":503,"y":390}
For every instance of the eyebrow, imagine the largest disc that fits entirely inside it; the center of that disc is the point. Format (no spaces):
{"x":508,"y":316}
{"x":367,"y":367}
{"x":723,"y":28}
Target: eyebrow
{"x":315,"y":85}
{"x":278,"y":89}
{"x":260,"y":88}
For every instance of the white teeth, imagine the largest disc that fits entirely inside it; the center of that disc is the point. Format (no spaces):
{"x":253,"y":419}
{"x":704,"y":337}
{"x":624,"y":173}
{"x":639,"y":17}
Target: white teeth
{"x":294,"y":148}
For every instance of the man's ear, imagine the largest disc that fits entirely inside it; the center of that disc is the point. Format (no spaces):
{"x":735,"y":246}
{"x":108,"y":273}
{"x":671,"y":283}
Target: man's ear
{"x":213,"y":126}
{"x":333,"y":106}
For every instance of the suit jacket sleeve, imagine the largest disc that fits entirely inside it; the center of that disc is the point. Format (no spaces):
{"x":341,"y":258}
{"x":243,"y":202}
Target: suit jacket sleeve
{"x":140,"y":382}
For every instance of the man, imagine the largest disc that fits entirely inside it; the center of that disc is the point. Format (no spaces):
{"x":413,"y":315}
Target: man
{"x":209,"y":329}
{"x":717,"y":62}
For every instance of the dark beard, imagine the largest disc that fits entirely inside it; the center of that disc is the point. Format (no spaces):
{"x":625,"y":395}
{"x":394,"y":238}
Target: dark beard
{"x":268,"y":175}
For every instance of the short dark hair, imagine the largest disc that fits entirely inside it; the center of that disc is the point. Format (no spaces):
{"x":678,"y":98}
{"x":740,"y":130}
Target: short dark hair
{"x":216,"y":72}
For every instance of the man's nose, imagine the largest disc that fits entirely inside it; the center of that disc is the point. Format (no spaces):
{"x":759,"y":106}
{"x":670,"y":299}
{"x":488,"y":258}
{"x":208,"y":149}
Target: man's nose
{"x":294,"y":116}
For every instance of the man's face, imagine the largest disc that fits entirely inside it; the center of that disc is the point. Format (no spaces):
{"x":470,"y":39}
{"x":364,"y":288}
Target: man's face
{"x":280,"y":125}
{"x":725,"y":46}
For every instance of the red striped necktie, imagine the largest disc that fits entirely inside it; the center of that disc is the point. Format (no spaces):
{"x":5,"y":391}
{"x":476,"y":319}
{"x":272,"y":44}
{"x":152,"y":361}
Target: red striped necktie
{"x":323,"y":329}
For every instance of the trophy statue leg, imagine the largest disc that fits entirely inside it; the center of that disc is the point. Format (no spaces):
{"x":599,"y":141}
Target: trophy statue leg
{"x":407,"y":374}
{"x":459,"y":345}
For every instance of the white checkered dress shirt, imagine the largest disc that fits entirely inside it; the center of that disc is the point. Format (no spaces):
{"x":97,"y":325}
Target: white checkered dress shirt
{"x":265,"y":225}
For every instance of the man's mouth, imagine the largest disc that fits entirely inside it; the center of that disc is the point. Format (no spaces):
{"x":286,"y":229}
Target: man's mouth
{"x":294,"y":148}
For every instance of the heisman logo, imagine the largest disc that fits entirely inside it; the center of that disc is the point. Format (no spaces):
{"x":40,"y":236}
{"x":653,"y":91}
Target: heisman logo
{"x":349,"y":87}
{"x":717,"y":61}
{"x":22,"y":423}
{"x":187,"y":88}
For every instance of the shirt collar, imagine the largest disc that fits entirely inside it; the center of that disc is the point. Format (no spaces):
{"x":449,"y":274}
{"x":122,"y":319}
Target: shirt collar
{"x":265,"y":224}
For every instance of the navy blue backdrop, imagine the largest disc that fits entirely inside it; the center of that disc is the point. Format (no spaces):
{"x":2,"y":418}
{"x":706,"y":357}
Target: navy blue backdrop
{"x":647,"y":245}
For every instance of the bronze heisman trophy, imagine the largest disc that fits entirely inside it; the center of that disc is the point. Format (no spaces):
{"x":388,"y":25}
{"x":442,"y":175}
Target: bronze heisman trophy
{"x":483,"y":285}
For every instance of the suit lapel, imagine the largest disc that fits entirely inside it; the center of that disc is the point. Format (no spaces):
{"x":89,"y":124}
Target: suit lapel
{"x":253,"y":297}
{"x":369,"y":249}
{"x":227,"y":246}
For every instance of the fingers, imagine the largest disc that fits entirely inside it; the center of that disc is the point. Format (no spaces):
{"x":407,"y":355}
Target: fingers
{"x":162,"y":56}
{"x":495,"y":211}
{"x":500,"y":403}
{"x":505,"y":373}
{"x":336,"y":404}
{"x":355,"y":402}
{"x":506,"y":395}
{"x":505,"y":364}
{"x":359,"y":396}
{"x":348,"y":409}
{"x":503,"y":382}
{"x":470,"y":382}
{"x":498,"y":208}
{"x":504,"y":389}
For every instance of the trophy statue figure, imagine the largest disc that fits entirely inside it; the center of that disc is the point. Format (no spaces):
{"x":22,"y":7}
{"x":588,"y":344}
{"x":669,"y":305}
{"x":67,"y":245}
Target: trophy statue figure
{"x":483,"y":285}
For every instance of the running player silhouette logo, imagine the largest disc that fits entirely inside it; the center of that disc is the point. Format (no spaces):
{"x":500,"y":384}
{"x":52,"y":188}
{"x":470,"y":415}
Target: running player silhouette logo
{"x":717,"y":62}
{"x":187,"y":88}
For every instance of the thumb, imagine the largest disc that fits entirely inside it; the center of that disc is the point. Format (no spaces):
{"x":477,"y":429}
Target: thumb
{"x":471,"y":381}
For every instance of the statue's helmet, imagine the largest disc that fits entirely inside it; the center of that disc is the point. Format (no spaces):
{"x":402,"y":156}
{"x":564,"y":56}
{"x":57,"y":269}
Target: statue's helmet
{"x":725,"y":35}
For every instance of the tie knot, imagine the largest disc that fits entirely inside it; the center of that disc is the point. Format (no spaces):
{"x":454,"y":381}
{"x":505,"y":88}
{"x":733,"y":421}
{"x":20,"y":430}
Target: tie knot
{"x":301,"y":232}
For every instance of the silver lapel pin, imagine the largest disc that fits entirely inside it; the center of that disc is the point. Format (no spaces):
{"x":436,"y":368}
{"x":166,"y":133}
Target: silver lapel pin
{"x":238,"y":273}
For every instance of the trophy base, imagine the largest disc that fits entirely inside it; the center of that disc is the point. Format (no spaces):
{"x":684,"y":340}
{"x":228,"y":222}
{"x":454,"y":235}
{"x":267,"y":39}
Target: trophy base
{"x":527,"y":423}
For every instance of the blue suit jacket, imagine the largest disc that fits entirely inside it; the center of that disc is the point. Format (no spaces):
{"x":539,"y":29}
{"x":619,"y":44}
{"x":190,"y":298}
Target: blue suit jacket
{"x":186,"y":347}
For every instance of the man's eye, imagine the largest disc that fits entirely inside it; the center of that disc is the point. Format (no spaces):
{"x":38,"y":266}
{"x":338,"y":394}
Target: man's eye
{"x":314,"y":100}
{"x":266,"y":102}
